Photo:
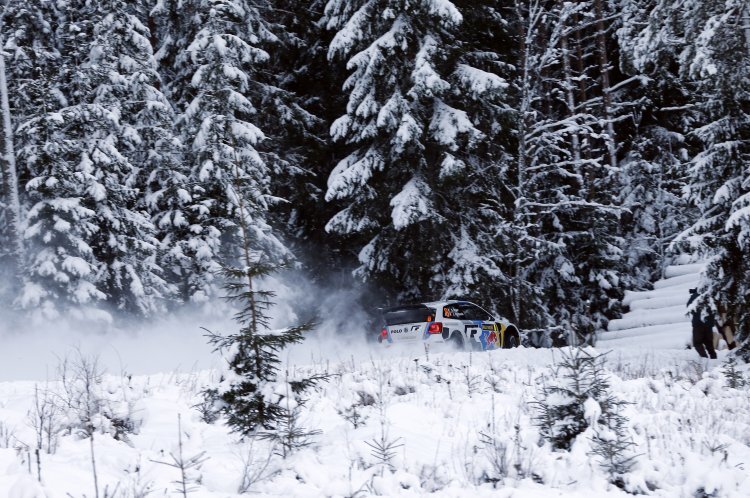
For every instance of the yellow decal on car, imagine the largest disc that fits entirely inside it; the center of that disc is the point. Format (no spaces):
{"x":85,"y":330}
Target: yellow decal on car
{"x":501,"y":335}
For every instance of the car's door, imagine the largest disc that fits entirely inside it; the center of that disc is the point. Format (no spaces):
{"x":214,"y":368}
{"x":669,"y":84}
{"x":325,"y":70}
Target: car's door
{"x":482,"y":328}
{"x":470,"y":320}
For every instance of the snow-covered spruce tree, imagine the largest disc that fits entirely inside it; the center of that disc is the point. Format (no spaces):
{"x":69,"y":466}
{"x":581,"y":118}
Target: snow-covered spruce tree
{"x":147,"y":142}
{"x":60,"y":270}
{"x":302,"y":102}
{"x":565,"y":196}
{"x":652,"y":178}
{"x":89,"y":239}
{"x":59,"y":266}
{"x":251,"y":395}
{"x":174,"y":25}
{"x":222,"y":142}
{"x":418,"y":96}
{"x":29,"y":31}
{"x":150,"y":144}
{"x":716,"y":59}
{"x":101,"y":123}
{"x":654,"y":170}
{"x":477,"y":177}
{"x":577,"y":395}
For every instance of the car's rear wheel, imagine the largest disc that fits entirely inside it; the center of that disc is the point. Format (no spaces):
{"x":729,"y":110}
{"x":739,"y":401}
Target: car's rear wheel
{"x":456,"y":341}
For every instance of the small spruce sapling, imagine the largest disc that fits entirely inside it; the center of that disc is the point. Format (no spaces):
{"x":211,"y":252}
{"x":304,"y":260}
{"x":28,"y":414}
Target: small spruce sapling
{"x":383,"y":447}
{"x":136,"y":485}
{"x":184,"y":464}
{"x":354,"y":413}
{"x":735,"y":379}
{"x":560,"y":410}
{"x":611,"y":441}
{"x":495,"y":449}
{"x":289,"y":434}
{"x":560,"y":407}
{"x":248,"y":397}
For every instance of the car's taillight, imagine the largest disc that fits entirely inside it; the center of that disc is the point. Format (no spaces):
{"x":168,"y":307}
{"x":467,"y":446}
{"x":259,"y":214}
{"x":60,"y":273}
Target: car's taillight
{"x":435,"y":328}
{"x":383,"y":335}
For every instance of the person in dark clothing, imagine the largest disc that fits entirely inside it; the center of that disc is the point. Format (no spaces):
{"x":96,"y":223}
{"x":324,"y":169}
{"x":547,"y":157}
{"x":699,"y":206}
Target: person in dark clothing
{"x":703,"y":340}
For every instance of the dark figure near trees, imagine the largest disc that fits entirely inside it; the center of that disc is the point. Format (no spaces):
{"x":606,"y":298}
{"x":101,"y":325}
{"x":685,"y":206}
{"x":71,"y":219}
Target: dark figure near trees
{"x":703,"y":337}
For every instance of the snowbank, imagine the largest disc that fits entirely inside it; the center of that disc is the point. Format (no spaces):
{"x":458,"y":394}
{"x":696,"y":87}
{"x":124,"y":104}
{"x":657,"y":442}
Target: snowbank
{"x":691,"y":431}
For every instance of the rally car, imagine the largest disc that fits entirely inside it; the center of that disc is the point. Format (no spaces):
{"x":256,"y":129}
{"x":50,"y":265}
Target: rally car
{"x":460,"y":324}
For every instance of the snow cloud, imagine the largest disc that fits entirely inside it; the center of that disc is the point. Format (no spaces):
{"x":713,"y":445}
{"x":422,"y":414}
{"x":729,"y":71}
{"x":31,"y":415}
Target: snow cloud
{"x":32,"y":349}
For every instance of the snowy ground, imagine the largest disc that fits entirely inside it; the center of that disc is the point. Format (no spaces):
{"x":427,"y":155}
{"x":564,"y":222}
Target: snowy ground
{"x":657,"y":318}
{"x":691,"y":431}
{"x":439,"y":413}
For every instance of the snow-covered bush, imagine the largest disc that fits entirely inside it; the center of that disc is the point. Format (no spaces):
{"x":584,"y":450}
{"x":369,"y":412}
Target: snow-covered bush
{"x":734,"y":375}
{"x":575,"y":396}
{"x":91,"y":403}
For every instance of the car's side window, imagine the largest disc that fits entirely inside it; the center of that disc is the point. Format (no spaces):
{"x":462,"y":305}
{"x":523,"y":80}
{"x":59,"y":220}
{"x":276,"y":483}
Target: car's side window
{"x":455,"y":312}
{"x":473,"y":312}
{"x":487,"y":316}
{"x":466,"y":311}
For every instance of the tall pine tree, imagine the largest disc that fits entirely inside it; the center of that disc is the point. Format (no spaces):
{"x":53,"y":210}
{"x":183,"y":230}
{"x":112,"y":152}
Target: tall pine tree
{"x":89,"y":232}
{"x":413,"y":126}
{"x":716,"y":58}
{"x":223,"y":142}
{"x":566,"y":182}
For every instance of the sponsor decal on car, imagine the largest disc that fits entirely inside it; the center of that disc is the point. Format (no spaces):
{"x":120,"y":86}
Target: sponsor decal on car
{"x":405,"y":330}
{"x":492,"y":338}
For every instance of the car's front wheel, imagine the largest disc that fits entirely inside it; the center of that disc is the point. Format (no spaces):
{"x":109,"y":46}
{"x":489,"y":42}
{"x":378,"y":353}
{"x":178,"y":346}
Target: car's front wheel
{"x":512,"y":339}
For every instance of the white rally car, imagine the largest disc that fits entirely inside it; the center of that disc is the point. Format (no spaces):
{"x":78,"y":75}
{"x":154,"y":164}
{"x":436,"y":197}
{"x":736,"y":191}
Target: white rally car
{"x":460,"y":324}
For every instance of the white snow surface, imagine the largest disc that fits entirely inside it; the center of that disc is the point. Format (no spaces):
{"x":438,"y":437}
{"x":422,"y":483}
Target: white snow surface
{"x":657,"y":318}
{"x":691,"y":431}
{"x":439,"y":410}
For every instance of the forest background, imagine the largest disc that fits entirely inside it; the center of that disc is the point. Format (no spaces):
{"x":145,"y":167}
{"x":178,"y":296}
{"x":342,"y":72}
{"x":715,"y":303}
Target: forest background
{"x":538,"y":157}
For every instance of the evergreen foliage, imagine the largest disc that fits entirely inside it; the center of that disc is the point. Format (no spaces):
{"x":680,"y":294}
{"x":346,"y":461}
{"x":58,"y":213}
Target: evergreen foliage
{"x":566,"y":179}
{"x":297,"y":117}
{"x":248,"y":396}
{"x":577,"y":397}
{"x":734,"y":376}
{"x":532,"y":155}
{"x":123,"y":79}
{"x":717,"y":60}
{"x":422,"y":123}
{"x":614,"y":448}
{"x":222,"y":140}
